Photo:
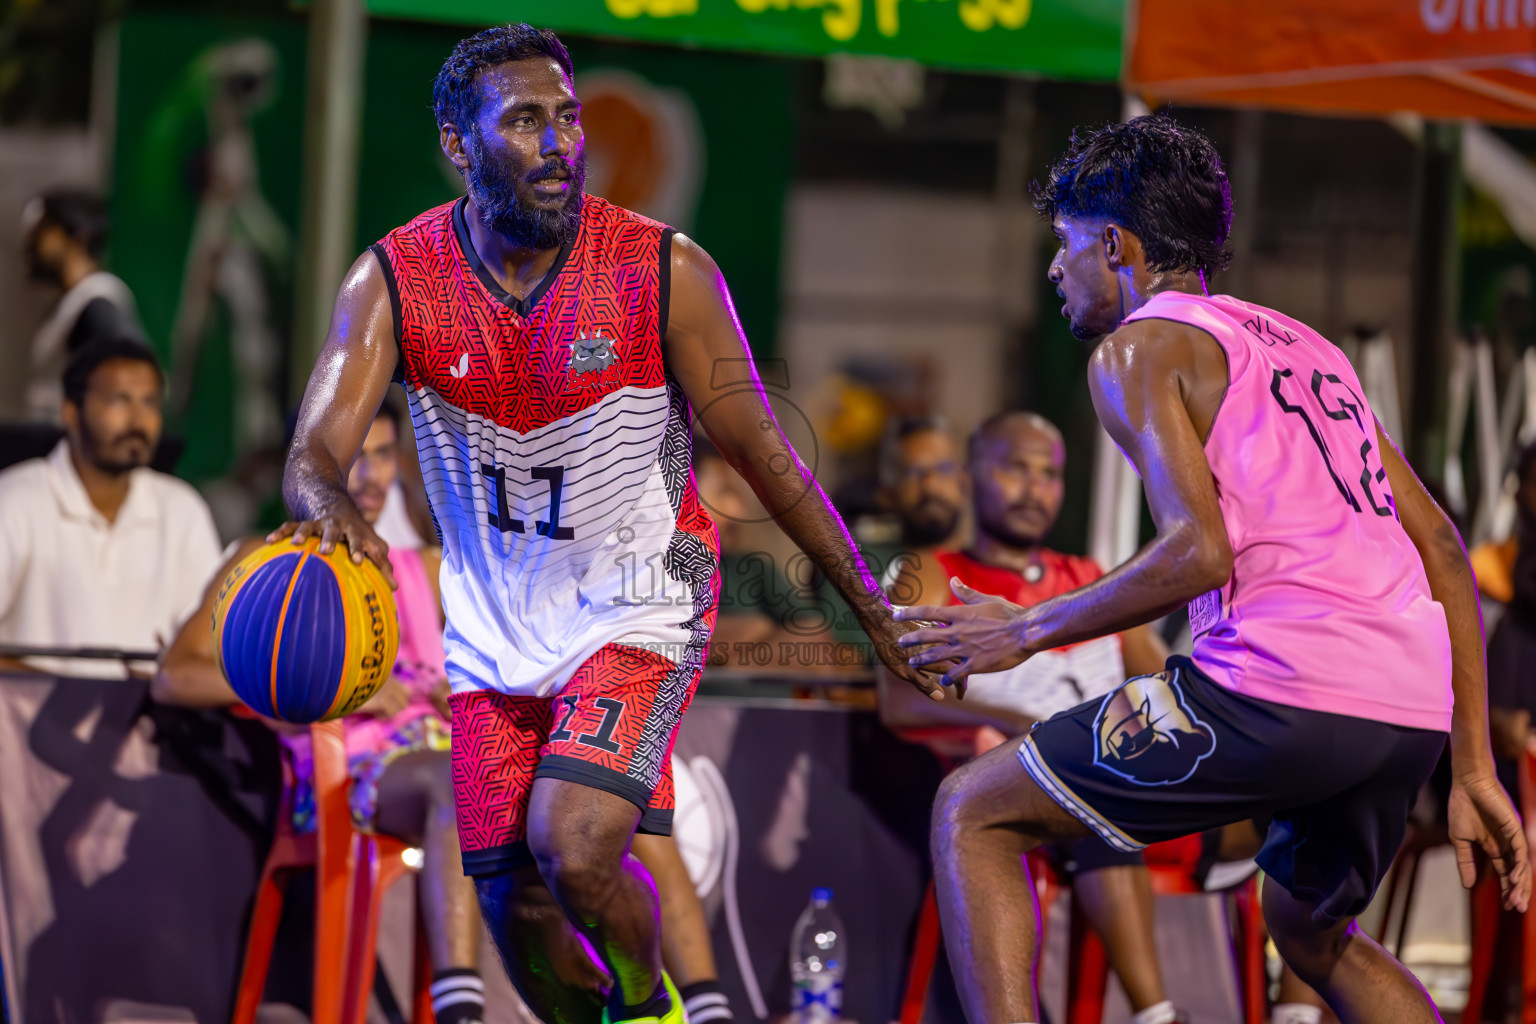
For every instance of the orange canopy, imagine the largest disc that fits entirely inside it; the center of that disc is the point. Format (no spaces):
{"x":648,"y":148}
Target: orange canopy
{"x":1439,"y":58}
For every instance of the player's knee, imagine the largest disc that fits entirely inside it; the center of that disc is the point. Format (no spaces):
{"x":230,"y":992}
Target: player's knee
{"x":1310,"y":949}
{"x":1310,"y":954}
{"x":581,"y":871}
{"x":965,"y":806}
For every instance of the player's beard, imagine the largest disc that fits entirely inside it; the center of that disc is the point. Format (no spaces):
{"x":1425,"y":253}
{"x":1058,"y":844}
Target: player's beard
{"x":493,"y":187}
{"x":935,"y":525}
{"x":998,"y":528}
{"x":109,"y":454}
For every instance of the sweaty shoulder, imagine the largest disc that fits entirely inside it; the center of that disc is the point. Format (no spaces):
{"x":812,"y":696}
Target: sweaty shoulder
{"x":1151,"y":351}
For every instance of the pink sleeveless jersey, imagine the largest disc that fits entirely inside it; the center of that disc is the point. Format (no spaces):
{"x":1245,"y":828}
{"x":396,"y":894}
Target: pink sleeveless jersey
{"x":1328,"y":606}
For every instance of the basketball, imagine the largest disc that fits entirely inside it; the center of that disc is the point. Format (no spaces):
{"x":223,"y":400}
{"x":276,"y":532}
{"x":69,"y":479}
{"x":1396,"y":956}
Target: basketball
{"x":305,"y":637}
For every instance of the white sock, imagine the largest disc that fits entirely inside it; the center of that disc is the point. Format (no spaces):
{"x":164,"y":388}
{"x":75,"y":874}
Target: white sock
{"x":1295,"y":1013}
{"x":1158,"y":1013}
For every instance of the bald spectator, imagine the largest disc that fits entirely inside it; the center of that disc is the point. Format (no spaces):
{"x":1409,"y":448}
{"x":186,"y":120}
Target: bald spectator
{"x":96,"y":549}
{"x":1015,"y":463}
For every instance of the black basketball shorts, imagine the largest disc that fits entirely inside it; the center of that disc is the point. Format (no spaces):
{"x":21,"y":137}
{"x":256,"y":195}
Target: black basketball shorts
{"x":1175,"y":753}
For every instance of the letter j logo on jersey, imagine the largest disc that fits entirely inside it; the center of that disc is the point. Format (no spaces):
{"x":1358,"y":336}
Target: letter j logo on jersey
{"x":1145,"y":733}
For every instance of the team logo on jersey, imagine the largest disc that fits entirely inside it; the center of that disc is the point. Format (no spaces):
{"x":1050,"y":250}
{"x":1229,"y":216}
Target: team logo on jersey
{"x":591,"y":355}
{"x":1145,"y":733}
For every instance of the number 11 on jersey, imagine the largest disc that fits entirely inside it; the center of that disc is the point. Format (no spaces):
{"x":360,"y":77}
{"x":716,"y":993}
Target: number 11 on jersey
{"x":499,"y":517}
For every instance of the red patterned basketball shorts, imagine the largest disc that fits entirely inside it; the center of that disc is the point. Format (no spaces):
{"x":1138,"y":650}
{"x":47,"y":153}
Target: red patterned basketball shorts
{"x":611,"y":728}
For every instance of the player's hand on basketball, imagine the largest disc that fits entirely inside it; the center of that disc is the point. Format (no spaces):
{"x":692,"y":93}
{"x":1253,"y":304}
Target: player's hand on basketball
{"x":389,"y":701}
{"x":981,"y":635}
{"x":1482,"y":818}
{"x":348,"y":528}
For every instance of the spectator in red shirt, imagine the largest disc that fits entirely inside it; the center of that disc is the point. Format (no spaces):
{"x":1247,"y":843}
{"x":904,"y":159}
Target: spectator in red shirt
{"x":1015,"y":463}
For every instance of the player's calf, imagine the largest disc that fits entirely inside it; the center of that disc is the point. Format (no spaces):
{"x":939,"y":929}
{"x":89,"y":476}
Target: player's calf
{"x":540,"y":950}
{"x":1355,"y":976}
{"x":579,"y":837}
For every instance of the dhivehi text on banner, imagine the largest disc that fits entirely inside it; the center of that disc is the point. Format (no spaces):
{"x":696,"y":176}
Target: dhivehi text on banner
{"x":1077,"y":39}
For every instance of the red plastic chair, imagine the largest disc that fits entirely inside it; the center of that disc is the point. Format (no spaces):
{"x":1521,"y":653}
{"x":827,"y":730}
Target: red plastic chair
{"x":1486,"y":914}
{"x":352,"y":871}
{"x":1087,"y":962}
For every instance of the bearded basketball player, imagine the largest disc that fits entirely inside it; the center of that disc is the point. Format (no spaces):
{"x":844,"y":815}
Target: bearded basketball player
{"x":1338,"y":643}
{"x":552,"y":347}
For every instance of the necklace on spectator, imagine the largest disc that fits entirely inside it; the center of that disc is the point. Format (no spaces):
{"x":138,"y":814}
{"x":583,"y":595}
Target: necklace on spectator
{"x":1034,"y":572}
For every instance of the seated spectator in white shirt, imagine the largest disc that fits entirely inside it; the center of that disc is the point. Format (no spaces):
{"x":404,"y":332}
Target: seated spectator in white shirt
{"x":96,"y":549}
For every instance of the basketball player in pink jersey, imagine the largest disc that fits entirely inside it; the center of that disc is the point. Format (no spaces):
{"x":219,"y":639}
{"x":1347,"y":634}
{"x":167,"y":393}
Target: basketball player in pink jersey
{"x":553,"y":348}
{"x":1338,"y":643}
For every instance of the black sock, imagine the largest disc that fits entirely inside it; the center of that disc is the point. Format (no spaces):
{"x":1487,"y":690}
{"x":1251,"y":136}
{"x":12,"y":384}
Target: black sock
{"x":458,"y":996}
{"x":705,"y":1003}
{"x":659,"y":1005}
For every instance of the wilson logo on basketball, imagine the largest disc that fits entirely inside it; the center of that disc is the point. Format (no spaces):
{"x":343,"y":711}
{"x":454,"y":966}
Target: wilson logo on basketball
{"x":376,"y":661}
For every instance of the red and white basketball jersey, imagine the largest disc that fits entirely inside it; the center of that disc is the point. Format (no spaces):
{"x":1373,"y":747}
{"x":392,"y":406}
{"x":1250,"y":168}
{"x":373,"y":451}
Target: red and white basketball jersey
{"x":556,"y":451}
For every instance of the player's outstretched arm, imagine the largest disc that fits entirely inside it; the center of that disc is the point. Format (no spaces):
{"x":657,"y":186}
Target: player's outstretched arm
{"x":1139,"y":377}
{"x":344,"y":393}
{"x":705,"y":348}
{"x":1481,"y":815}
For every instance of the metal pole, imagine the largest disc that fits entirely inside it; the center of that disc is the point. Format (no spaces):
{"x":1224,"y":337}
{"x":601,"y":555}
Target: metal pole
{"x":337,"y":43}
{"x":1435,"y":292}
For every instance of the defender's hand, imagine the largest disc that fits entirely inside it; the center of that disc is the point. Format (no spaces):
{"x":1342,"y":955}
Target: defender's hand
{"x":887,"y":635}
{"x":982,"y":635}
{"x":1482,"y":818}
{"x":348,"y":528}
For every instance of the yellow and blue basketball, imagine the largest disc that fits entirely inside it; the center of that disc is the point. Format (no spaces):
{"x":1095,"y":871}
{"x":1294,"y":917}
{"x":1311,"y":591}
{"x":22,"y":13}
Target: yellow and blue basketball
{"x":302,"y":636}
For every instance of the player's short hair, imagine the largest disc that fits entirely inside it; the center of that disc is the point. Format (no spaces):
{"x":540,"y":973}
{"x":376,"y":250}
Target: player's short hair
{"x":97,"y":353}
{"x":454,"y":96}
{"x":1157,"y":178}
{"x":897,"y":430}
{"x":80,"y":214}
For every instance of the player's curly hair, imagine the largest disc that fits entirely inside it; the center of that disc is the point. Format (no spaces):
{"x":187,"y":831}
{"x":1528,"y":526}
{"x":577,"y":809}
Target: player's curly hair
{"x":1159,"y":179}
{"x":454,"y":96}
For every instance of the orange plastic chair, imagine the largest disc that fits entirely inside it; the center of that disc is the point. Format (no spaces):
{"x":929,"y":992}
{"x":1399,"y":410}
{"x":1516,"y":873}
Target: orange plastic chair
{"x":1486,"y":912}
{"x":1087,"y":961}
{"x":352,"y":872}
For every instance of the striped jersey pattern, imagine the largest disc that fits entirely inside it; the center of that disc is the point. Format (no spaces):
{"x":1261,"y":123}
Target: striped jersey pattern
{"x":556,"y":451}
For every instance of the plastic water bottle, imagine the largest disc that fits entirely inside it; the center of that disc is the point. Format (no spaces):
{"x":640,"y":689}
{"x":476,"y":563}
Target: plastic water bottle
{"x":818,"y":950}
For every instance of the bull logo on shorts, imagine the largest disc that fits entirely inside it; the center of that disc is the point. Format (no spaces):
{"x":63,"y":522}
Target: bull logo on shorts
{"x":1144,"y":732}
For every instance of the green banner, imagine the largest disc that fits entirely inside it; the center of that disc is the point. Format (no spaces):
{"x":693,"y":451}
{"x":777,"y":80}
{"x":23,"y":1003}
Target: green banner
{"x":1078,"y":39}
